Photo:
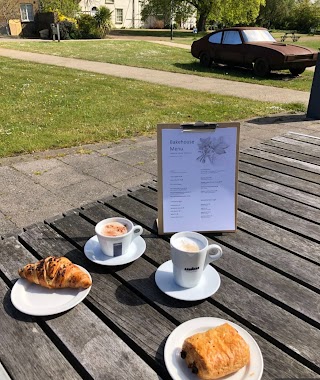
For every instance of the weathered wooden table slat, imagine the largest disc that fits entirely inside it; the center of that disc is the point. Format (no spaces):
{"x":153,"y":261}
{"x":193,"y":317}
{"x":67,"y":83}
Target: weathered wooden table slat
{"x":251,"y":272}
{"x":24,"y":339}
{"x":250,"y":172}
{"x":280,"y":158}
{"x":88,"y":337}
{"x":257,"y":158}
{"x":270,"y":283}
{"x":280,"y":150}
{"x":295,"y":146}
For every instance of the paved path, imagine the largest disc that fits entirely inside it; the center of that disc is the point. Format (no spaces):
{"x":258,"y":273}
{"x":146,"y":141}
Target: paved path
{"x":191,"y":82}
{"x":38,"y":186}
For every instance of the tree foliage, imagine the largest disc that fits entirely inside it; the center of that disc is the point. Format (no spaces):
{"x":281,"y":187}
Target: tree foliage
{"x":204,"y":8}
{"x":164,"y":9}
{"x":103,"y":21}
{"x":226,"y":12}
{"x":276,"y":13}
{"x":183,"y":11}
{"x":305,"y":16}
{"x":233,"y":12}
{"x":301,"y":15}
{"x":67,"y":7}
{"x":160,"y":9}
{"x":97,"y":26}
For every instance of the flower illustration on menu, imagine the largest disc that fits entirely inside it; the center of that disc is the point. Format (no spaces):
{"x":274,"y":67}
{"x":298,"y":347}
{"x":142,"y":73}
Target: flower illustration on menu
{"x":209,"y":148}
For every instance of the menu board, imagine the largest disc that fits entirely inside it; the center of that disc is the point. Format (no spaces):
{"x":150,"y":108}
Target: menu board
{"x":197,"y":177}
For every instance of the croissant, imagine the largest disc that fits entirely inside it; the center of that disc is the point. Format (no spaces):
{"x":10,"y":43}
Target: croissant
{"x":56,"y":272}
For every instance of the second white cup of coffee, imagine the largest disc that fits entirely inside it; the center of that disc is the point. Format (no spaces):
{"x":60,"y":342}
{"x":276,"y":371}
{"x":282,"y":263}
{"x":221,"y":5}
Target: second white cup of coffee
{"x":116,"y":234}
{"x":190,"y":254}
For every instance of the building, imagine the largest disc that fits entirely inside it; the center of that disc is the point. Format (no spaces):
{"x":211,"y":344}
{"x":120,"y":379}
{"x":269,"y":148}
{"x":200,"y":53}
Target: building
{"x":125,"y":13}
{"x":18,"y":16}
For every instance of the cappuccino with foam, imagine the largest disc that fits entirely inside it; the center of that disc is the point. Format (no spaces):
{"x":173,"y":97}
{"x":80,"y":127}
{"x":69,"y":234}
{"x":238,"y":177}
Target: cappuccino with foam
{"x":116,"y":234}
{"x":190,"y":255}
{"x":114,"y":229}
{"x":188,"y":244}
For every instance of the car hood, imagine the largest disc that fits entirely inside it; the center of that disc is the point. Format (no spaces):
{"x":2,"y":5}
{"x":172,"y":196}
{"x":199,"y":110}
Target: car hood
{"x":286,"y":48}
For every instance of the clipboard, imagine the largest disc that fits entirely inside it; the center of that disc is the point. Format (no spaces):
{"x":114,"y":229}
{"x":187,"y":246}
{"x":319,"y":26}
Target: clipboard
{"x":198,"y":167}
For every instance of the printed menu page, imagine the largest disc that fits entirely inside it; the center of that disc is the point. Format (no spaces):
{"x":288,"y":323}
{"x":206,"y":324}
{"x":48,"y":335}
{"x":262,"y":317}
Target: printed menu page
{"x":199,"y":179}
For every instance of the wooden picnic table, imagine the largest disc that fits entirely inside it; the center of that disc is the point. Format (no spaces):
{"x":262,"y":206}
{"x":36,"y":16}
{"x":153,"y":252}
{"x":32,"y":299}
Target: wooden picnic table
{"x":291,"y":35}
{"x":269,"y":271}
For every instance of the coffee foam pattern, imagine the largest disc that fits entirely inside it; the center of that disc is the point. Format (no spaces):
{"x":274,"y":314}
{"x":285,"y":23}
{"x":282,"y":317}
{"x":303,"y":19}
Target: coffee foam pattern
{"x":187,"y":244}
{"x":114,"y":229}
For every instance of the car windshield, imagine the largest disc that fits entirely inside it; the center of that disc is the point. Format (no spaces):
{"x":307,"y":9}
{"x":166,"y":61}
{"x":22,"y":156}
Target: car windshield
{"x":257,"y":35}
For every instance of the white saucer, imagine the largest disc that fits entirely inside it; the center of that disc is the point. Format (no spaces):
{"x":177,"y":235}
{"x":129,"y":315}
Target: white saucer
{"x":93,"y":252}
{"x":177,"y":367}
{"x":208,"y":285}
{"x":36,"y":300}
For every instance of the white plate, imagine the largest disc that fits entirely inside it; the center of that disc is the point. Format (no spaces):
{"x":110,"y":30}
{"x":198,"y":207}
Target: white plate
{"x":177,"y":367}
{"x":93,"y":252}
{"x":36,"y":300}
{"x":208,"y":285}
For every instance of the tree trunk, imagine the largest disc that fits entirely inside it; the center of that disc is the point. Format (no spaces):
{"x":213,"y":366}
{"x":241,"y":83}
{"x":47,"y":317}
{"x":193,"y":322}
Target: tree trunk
{"x":201,"y":24}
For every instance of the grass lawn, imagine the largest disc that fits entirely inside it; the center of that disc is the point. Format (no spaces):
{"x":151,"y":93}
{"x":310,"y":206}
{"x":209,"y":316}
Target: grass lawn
{"x":45,"y":107}
{"x":155,"y":56}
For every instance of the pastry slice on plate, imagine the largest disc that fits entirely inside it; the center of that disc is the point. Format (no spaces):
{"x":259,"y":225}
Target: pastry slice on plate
{"x":215,"y":353}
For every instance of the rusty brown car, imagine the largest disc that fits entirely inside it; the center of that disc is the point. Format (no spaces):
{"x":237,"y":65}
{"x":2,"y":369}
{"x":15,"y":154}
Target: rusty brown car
{"x":252,"y":48}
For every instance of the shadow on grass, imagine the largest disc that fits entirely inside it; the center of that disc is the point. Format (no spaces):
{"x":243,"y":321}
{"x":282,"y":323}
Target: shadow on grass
{"x":235,"y":73}
{"x":156,"y":33}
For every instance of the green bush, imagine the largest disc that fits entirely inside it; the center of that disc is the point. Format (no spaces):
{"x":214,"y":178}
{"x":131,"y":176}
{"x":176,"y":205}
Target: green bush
{"x":68,"y":30}
{"x":97,"y":26}
{"x":103,"y":20}
{"x":87,"y":26}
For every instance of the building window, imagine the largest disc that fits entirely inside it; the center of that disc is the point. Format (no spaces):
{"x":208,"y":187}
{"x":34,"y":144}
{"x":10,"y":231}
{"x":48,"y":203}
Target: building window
{"x":26,"y":11}
{"x":119,"y":16}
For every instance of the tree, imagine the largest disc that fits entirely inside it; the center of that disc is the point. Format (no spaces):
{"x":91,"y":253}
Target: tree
{"x":232,"y":12}
{"x":305,"y":16}
{"x":183,"y":12}
{"x":66,"y":7}
{"x":160,"y":9}
{"x":228,"y":12}
{"x":204,"y":8}
{"x":276,"y":13}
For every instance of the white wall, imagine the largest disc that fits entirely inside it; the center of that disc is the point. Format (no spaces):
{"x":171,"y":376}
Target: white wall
{"x":130,"y":10}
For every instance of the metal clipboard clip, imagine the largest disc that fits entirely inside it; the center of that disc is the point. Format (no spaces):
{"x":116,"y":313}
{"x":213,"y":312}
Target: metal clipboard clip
{"x":198,"y":126}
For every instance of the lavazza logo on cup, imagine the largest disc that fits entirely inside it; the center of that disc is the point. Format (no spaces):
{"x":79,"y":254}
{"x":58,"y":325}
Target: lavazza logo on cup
{"x":190,"y":254}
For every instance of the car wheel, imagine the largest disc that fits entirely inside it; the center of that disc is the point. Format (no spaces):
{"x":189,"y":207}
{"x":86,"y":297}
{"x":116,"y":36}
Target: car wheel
{"x":261,"y":67}
{"x":205,"y":60}
{"x":296,"y":72}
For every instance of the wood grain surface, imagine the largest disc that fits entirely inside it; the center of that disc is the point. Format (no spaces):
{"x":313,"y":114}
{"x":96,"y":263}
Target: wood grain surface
{"x":270,"y":282}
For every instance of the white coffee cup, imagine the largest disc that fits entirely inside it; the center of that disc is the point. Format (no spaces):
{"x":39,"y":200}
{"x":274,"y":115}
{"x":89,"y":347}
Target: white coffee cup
{"x":117,"y":245}
{"x":190,"y":254}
